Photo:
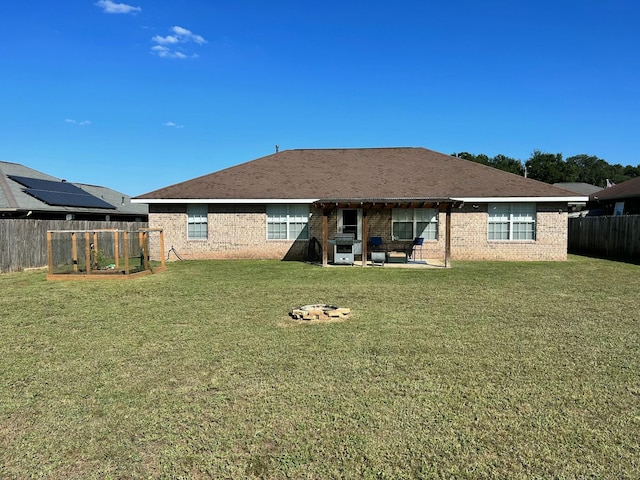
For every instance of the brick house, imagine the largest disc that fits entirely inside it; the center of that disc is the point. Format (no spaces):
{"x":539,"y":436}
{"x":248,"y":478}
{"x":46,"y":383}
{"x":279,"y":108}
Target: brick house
{"x":620,"y":199}
{"x":281,"y":205}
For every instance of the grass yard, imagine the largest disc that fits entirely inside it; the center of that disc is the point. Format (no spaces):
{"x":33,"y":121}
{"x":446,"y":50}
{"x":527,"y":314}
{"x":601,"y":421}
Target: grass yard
{"x":485,"y":370}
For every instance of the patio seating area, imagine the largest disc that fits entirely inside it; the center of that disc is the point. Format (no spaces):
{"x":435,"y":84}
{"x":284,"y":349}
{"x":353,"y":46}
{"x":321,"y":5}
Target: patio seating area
{"x":425,"y":264}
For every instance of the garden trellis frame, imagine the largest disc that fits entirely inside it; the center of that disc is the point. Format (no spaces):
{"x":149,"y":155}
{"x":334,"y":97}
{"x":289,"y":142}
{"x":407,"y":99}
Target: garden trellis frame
{"x":103,"y":253}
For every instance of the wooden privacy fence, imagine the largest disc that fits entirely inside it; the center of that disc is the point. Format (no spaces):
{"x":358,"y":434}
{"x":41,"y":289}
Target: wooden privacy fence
{"x":23,"y":242}
{"x":609,"y":237}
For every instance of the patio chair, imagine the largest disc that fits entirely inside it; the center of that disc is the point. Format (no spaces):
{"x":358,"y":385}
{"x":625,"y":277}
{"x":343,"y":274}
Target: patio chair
{"x":416,"y":248}
{"x":375,"y":244}
{"x":378,"y":255}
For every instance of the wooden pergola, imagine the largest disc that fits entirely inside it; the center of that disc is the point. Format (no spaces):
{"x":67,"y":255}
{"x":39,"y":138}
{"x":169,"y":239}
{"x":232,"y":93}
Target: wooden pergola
{"x":330,"y":206}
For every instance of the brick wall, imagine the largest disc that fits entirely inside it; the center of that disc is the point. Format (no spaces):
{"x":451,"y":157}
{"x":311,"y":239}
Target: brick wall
{"x":469,"y":239}
{"x":239,"y":231}
{"x":234,"y":231}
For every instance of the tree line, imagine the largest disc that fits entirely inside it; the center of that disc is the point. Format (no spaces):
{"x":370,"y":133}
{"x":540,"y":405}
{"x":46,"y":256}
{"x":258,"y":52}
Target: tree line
{"x":552,"y":168}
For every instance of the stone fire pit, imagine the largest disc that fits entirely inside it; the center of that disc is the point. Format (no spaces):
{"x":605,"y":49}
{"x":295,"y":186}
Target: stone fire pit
{"x":319,"y":312}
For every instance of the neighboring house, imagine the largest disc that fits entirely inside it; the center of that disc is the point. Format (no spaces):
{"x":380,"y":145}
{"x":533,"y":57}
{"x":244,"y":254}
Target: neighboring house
{"x":578,"y":208}
{"x":620,"y":199}
{"x":283,"y":205}
{"x":578,"y":187}
{"x":28,"y":193}
{"x":33,"y":203}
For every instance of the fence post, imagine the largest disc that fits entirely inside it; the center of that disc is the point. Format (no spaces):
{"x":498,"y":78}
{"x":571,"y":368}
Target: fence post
{"x":87,"y":252}
{"x":126,"y":252}
{"x":162,"y":248}
{"x":145,"y":250}
{"x":49,"y":253}
{"x":116,"y":249}
{"x":74,"y":252}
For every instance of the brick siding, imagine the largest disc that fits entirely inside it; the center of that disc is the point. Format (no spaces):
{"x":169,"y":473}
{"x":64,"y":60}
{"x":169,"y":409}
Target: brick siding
{"x":240,"y":231}
{"x":469,"y":238}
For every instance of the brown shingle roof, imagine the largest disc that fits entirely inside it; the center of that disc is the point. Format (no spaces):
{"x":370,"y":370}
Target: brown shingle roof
{"x":357,"y":173}
{"x":628,"y":189}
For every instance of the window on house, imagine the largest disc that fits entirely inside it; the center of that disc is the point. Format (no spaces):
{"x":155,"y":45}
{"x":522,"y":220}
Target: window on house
{"x":288,"y":222}
{"x":512,"y":221}
{"x":197,"y":222}
{"x":409,"y":223}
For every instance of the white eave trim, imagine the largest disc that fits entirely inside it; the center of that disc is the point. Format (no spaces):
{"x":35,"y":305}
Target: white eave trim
{"x":225,"y":200}
{"x":312,"y":200}
{"x":521,"y":199}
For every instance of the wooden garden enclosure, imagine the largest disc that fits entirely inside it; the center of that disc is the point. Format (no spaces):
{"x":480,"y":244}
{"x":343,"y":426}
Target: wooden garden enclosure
{"x":103,"y":253}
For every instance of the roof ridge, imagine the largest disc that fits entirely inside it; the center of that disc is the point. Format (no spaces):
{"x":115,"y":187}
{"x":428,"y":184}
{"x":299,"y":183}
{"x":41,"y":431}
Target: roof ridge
{"x":350,"y":148}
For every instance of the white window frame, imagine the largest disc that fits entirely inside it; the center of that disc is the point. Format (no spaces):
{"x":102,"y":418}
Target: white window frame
{"x":417,"y":217}
{"x":512,"y":222}
{"x":287,"y":222}
{"x":198,"y":218}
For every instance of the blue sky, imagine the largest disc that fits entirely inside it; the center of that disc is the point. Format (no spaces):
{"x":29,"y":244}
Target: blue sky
{"x":142,"y":94}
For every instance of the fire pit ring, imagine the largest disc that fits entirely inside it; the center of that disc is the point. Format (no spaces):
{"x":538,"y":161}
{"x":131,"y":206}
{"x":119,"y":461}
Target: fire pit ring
{"x":319,"y":312}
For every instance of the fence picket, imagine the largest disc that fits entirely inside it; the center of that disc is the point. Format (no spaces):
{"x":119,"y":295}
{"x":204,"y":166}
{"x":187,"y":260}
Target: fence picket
{"x":609,"y":237}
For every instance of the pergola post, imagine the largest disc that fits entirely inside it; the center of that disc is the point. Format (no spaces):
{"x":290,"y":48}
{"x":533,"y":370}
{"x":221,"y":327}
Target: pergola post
{"x":447,"y":242}
{"x":325,"y":238}
{"x":365,"y":235}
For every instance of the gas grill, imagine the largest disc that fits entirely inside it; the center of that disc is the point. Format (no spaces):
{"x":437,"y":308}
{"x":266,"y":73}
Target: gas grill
{"x":343,"y":248}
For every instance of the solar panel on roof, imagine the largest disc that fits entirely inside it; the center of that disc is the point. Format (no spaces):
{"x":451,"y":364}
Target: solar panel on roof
{"x":64,"y":199}
{"x":49,"y":185}
{"x":61,"y":194}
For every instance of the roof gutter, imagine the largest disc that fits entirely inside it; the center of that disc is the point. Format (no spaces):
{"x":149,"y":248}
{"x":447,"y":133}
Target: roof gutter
{"x":312,"y":200}
{"x":521,"y":199}
{"x":223,"y":200}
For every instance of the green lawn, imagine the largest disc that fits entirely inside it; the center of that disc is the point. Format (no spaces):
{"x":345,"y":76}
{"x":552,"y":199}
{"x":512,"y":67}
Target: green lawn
{"x":485,"y":370}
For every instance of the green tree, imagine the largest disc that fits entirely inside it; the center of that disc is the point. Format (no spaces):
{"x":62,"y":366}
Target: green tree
{"x":591,"y":169}
{"x":500,"y":161}
{"x":481,"y":158}
{"x":551,"y":168}
{"x":631,"y":171}
{"x":507,"y":164}
{"x":548,"y":167}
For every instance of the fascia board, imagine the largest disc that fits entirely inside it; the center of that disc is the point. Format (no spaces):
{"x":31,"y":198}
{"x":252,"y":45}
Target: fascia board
{"x":224,"y":200}
{"x":520,"y":199}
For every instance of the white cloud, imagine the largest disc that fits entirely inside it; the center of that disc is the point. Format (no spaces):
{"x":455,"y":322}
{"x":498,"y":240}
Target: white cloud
{"x":82,"y":123}
{"x":179,"y":37}
{"x":165,"y":52}
{"x":172,"y":124}
{"x":186,"y":35}
{"x":111,"y":7}
{"x":167,"y":39}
